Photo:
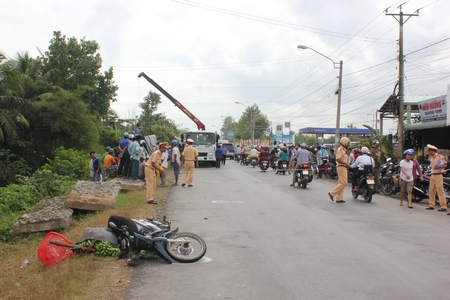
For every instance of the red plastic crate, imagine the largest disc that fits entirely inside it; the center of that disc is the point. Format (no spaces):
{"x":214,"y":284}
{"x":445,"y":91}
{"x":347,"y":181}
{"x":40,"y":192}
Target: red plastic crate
{"x":51,"y":254}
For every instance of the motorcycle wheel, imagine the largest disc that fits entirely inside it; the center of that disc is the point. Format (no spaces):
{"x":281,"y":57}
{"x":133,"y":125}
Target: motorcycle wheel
{"x":417,"y":197}
{"x":304,"y":183}
{"x":355,"y":194}
{"x":386,"y":187}
{"x":332,"y":176}
{"x":368,"y":195}
{"x":189,"y":253}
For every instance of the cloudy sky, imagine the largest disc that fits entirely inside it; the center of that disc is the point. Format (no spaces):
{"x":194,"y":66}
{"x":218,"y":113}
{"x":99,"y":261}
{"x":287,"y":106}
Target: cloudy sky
{"x":210,"y":54}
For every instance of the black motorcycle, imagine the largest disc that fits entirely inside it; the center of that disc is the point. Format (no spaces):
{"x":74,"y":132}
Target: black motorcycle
{"x":366,"y":185}
{"x":284,"y":167}
{"x":153,"y":235}
{"x":264,"y":165}
{"x":304,"y":175}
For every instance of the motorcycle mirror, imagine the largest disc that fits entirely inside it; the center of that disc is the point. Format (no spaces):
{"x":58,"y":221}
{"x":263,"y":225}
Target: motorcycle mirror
{"x":113,"y":226}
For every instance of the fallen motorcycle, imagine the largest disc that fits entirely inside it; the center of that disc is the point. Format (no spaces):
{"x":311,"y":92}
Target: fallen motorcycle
{"x":150,"y":234}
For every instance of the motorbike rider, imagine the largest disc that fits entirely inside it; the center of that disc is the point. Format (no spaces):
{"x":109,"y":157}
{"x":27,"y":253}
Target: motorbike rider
{"x":238,"y":151}
{"x":302,"y":157}
{"x":273,"y":154}
{"x":283,"y":157}
{"x":360,"y":162}
{"x":342,"y":166}
{"x":264,"y":155}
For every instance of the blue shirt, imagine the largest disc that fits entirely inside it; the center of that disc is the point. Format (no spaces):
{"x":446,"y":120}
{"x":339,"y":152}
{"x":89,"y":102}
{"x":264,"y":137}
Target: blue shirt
{"x":224,"y":150}
{"x":135,"y":150}
{"x":96,"y":163}
{"x":218,"y":152}
{"x":124,"y":143}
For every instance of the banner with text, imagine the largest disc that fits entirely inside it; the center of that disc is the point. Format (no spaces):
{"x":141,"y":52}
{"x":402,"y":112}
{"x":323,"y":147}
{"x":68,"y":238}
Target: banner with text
{"x":433,"y":110}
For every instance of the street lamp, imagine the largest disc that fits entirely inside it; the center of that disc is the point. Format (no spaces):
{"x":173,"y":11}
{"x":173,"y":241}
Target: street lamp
{"x":339,"y":66}
{"x":251,"y":120}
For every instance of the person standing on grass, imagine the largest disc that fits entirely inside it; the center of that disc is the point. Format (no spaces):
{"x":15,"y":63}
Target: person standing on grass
{"x":165,"y":165}
{"x":124,"y":156}
{"x":406,"y":177}
{"x":176,"y":160}
{"x":95,"y":167}
{"x":151,"y":166}
{"x":135,"y":152}
{"x":190,"y":162}
{"x":218,"y":154}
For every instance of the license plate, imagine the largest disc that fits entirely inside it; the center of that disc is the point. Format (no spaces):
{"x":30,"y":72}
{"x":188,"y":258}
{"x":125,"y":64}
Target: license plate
{"x":305,"y":172}
{"x":370,"y":181}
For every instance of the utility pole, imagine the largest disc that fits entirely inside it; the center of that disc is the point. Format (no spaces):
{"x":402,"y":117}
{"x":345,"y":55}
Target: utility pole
{"x":401,"y":73}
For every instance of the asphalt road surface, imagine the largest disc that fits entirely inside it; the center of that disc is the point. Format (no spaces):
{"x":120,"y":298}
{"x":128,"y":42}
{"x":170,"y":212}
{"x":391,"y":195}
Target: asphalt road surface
{"x":267,"y":240}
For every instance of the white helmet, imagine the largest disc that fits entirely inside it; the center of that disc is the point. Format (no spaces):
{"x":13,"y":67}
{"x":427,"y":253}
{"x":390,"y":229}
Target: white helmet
{"x":364,"y":150}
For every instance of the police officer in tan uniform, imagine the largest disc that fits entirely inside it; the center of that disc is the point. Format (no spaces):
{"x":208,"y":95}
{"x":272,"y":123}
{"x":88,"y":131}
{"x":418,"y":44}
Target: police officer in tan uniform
{"x":189,"y":157}
{"x":342,"y":166}
{"x":438,"y":165}
{"x":152,"y":166}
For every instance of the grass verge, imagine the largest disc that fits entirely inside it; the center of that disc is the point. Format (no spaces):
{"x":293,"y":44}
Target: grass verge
{"x":84,"y":277}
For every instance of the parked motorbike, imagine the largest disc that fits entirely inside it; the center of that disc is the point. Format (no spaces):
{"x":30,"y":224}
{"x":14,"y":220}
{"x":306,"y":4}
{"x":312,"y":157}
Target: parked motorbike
{"x":264,"y":165}
{"x":304,"y":175}
{"x":390,"y":181}
{"x":366,"y":185}
{"x":154,"y":235}
{"x":422,"y":188}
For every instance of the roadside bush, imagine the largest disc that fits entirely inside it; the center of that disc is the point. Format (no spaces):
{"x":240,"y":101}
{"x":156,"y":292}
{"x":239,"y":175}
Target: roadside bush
{"x":16,"y":199}
{"x":10,"y":166}
{"x":69,"y":162}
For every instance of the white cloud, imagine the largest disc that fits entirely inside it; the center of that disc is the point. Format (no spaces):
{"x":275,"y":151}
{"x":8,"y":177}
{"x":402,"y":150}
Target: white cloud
{"x":208,"y":59}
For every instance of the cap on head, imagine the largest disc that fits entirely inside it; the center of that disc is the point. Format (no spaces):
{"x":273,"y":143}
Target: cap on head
{"x":190,"y":141}
{"x":174,"y":142}
{"x":431,"y":147}
{"x":126,"y":134}
{"x":164,"y":144}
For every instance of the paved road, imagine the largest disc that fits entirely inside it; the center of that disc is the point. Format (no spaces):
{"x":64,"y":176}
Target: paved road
{"x":267,"y":240}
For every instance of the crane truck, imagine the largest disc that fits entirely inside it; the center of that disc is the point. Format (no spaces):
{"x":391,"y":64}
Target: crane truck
{"x":204,"y":141}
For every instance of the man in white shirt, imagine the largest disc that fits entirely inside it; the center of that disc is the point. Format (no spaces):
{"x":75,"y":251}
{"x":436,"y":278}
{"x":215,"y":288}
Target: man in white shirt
{"x":359,"y":163}
{"x":176,"y":160}
{"x":165,"y":165}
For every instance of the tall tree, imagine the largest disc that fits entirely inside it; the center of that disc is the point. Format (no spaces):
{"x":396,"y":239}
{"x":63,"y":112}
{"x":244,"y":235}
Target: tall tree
{"x":228,"y":124}
{"x":156,"y":123}
{"x":75,"y":66}
{"x":244,"y":125}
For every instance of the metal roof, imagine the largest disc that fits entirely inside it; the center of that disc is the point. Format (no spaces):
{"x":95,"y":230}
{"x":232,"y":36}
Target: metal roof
{"x":324,"y":130}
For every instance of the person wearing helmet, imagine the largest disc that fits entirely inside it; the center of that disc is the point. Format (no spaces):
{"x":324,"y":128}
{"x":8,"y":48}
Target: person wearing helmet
{"x":362,"y":160}
{"x":175,"y":156}
{"x":438,"y":165}
{"x":406,"y":176}
{"x":355,"y":153}
{"x":109,"y":165}
{"x":303,"y":156}
{"x":124,"y":156}
{"x":342,"y":165}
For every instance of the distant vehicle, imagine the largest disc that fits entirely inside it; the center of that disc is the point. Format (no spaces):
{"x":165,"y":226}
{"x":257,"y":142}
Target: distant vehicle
{"x":205,"y":143}
{"x":230,"y":147}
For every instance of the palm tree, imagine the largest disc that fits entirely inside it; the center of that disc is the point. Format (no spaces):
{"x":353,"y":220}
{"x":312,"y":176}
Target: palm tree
{"x":11,"y":104}
{"x":385,"y":145}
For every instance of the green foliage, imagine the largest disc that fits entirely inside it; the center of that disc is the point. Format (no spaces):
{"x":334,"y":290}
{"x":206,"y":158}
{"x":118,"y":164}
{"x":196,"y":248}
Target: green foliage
{"x":69,"y":162}
{"x":63,"y":119}
{"x":156,"y":123}
{"x":75,"y":66}
{"x":308,"y":139}
{"x":110,"y":137}
{"x":46,"y":184}
{"x":244,"y":125}
{"x":10,"y":166}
